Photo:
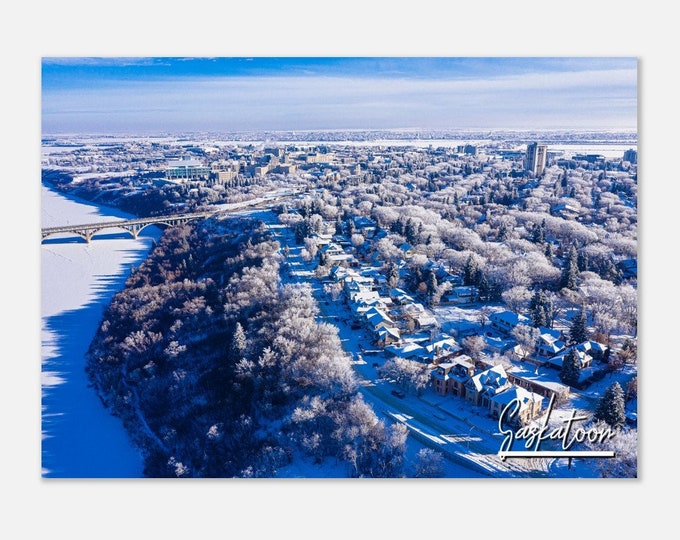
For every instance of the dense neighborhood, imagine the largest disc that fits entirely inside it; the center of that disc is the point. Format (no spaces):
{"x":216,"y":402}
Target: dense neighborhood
{"x":490,"y":272}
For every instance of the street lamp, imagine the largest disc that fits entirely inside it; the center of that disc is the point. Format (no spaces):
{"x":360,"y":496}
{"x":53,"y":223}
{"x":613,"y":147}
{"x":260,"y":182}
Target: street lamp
{"x":470,"y":436}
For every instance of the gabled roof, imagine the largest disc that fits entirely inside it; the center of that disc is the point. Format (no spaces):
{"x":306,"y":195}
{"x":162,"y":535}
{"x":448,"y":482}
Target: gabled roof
{"x":509,"y":317}
{"x":498,"y":343}
{"x":582,"y":357}
{"x":408,"y":350}
{"x":489,"y":381}
{"x":517,"y":392}
{"x":591,"y":345}
{"x":376,"y":316}
{"x":389,"y":331}
{"x":426,"y":320}
{"x":550,"y":344}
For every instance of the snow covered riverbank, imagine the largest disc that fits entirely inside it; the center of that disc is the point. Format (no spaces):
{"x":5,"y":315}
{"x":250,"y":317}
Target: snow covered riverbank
{"x":80,"y":438}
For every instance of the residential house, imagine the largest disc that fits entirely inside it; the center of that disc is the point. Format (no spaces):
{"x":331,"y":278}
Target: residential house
{"x":461,"y":295}
{"x":443,"y":348}
{"x":497,"y":345}
{"x":400,"y":297}
{"x":548,"y":345}
{"x":451,"y":376}
{"x":529,"y":403}
{"x":538,"y":384}
{"x":406,"y":249}
{"x":407,"y":351}
{"x":505,"y":321}
{"x":387,"y":336}
{"x":340,"y":273}
{"x":482,"y":387}
{"x":593,"y":348}
{"x":584,"y":359}
{"x":377,"y":319}
{"x":426,"y":322}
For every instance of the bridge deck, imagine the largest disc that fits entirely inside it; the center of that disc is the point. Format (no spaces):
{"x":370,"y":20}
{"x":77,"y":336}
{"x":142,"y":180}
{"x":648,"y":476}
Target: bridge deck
{"x":127,"y":222}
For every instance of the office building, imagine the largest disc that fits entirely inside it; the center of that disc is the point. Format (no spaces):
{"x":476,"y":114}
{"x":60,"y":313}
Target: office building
{"x":182,"y":170}
{"x":536,"y":158}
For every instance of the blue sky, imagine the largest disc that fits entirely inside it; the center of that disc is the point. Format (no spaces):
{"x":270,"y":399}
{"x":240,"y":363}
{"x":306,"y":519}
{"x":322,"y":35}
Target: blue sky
{"x":165,"y":95}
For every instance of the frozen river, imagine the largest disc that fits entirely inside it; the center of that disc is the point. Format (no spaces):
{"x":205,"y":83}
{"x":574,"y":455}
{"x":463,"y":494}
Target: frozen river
{"x":80,"y":438}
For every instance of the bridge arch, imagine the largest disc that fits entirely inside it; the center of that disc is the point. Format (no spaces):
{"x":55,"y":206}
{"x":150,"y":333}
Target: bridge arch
{"x":131,"y":226}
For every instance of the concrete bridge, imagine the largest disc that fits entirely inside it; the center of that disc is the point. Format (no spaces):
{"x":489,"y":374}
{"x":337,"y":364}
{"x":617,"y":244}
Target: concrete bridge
{"x":133,"y":226}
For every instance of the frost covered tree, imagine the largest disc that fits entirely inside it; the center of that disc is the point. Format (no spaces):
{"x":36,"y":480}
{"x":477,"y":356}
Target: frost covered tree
{"x":624,"y":444}
{"x":410,"y":375}
{"x":429,"y":464}
{"x":473,"y":346}
{"x":238,"y":341}
{"x":611,"y":408}
{"x":516,"y":298}
{"x":526,"y":336}
{"x":392,"y":275}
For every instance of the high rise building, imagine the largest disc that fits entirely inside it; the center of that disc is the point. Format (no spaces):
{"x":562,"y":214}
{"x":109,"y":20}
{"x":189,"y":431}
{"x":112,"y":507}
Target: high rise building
{"x":536,"y":158}
{"x":630,"y":156}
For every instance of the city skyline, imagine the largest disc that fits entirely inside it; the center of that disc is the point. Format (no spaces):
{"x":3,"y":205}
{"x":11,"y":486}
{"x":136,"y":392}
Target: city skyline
{"x":149,"y":95}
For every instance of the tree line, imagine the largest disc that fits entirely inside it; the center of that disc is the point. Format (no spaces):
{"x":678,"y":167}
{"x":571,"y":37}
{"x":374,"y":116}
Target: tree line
{"x":218,"y":369}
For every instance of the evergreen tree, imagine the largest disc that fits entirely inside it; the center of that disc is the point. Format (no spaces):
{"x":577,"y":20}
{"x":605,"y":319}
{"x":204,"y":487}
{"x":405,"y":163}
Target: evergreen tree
{"x":570,"y":372}
{"x":538,"y":309}
{"x":502,"y":232}
{"x":570,"y":270}
{"x":578,"y":333}
{"x":484,"y":287}
{"x":538,"y":234}
{"x":611,"y":408}
{"x":392,"y":275}
{"x":338,"y":227}
{"x":549,"y":251}
{"x":350,"y":228}
{"x":238,"y":341}
{"x":432,"y":284}
{"x":411,"y":232}
{"x":583,"y":265}
{"x":324,"y":259}
{"x":470,"y":271}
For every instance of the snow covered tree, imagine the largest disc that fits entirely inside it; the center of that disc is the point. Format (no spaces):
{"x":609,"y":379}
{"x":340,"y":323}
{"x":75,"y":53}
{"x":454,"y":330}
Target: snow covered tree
{"x":624,"y":444}
{"x":526,"y":336}
{"x":429,"y":464}
{"x":541,"y":309}
{"x":431,"y":283}
{"x":516,"y":298}
{"x":473,"y":345}
{"x":470,"y":271}
{"x":238,"y":341}
{"x":570,"y":372}
{"x":570,"y":271}
{"x":611,"y":408}
{"x":392,"y":275}
{"x":578,"y":333}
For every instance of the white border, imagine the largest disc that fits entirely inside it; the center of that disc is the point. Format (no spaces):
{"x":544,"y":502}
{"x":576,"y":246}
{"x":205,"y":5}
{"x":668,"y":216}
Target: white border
{"x":310,"y":508}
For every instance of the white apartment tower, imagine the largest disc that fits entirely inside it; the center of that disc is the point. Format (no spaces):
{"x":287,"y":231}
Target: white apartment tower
{"x":536,"y":158}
